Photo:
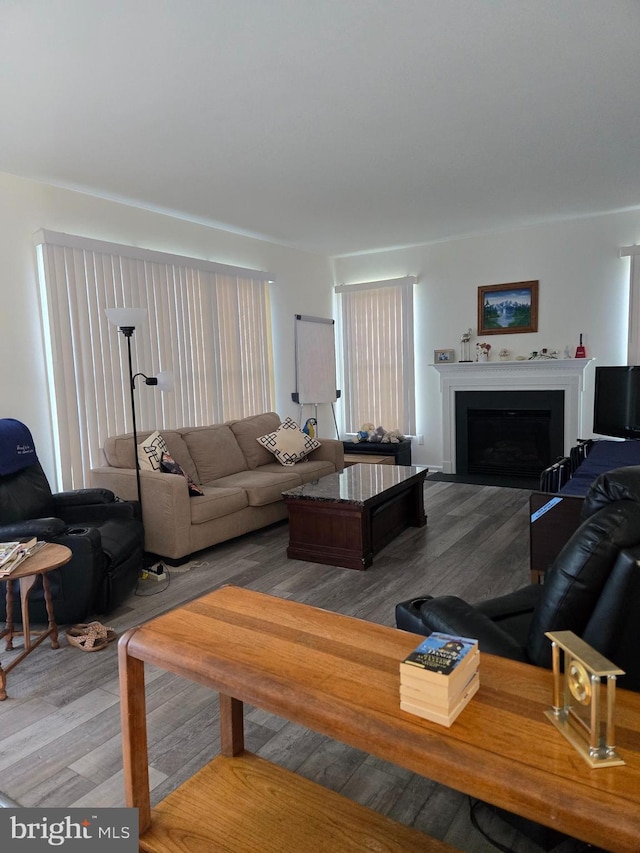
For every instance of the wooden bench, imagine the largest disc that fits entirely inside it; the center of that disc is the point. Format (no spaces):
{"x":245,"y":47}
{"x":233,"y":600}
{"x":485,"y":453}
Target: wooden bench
{"x":246,"y":803}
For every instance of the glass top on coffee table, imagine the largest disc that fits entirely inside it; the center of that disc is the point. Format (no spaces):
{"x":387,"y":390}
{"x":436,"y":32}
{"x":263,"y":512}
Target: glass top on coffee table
{"x":357,"y":484}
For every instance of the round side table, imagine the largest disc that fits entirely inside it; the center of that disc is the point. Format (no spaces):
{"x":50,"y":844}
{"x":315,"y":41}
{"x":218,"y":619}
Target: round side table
{"x":49,"y":557}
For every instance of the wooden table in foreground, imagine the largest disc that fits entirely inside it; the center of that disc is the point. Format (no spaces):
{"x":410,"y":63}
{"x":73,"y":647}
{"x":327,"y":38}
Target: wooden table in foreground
{"x":49,"y":557}
{"x":344,"y":519}
{"x":340,"y":676}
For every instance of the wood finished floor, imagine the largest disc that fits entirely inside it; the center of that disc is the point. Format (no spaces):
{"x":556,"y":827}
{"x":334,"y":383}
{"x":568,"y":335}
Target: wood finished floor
{"x":60,"y":726}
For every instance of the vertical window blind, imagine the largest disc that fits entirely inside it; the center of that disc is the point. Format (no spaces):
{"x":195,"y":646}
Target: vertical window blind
{"x":208,"y":323}
{"x":376,"y":321}
{"x":633,"y":347}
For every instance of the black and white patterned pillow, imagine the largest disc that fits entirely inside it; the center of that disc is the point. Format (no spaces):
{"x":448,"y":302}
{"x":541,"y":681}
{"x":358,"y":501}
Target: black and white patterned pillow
{"x":288,"y":443}
{"x":150,"y":452}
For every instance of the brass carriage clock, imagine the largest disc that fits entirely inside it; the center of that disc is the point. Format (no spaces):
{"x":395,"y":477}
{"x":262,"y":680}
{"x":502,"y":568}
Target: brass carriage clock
{"x":584,"y":696}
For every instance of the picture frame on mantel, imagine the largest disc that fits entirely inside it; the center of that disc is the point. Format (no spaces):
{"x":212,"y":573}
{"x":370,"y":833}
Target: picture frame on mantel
{"x":507,"y":309}
{"x":443,"y":356}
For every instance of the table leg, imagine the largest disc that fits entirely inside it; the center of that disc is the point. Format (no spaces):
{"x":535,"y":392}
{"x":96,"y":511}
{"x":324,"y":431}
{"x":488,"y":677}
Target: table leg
{"x":52,"y":627}
{"x":133,"y":711}
{"x":26,"y":584}
{"x":9,"y":615}
{"x":231,"y":725}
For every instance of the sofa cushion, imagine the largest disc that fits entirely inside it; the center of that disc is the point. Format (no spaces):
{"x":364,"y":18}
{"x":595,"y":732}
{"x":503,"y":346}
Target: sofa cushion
{"x":288,"y":443}
{"x":248,"y":430}
{"x":215,"y":452}
{"x":169,"y":466}
{"x":307,"y":470}
{"x":150,"y":452}
{"x":217,"y":503}
{"x":261,"y":487}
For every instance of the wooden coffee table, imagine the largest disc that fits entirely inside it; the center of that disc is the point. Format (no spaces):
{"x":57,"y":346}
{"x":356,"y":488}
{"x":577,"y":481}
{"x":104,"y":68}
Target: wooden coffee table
{"x":344,"y":519}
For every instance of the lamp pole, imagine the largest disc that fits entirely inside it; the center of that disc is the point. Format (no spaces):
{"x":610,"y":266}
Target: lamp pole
{"x":126,"y":320}
{"x":127,"y":331}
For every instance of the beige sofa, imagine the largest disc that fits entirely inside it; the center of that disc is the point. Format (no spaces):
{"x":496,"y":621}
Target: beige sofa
{"x":241,"y":480}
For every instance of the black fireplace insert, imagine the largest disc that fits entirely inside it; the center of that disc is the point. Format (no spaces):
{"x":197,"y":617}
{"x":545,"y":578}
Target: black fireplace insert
{"x":508,"y":433}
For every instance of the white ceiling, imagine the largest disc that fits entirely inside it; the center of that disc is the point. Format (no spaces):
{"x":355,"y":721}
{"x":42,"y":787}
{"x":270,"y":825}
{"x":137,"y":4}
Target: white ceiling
{"x":336,"y":126}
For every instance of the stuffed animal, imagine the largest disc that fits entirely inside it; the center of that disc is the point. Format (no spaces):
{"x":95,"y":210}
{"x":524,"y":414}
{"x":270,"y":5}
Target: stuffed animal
{"x":310,"y":427}
{"x":376,"y":434}
{"x":363,"y":433}
{"x":394,"y":436}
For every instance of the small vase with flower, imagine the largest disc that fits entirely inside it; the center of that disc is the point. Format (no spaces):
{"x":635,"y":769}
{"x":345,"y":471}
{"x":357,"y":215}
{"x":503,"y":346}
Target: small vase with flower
{"x":482,"y":351}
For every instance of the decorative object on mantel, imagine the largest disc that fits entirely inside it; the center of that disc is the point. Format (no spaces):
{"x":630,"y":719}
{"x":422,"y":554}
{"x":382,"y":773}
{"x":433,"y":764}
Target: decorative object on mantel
{"x":482,"y":351}
{"x":580,"y":350}
{"x":505,"y":309}
{"x":543,"y":353}
{"x":441,"y":355}
{"x":465,"y":346}
{"x":504,"y":355}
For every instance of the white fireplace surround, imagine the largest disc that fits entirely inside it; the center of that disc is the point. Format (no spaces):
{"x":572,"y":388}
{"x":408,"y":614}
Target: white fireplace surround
{"x":535,"y":375}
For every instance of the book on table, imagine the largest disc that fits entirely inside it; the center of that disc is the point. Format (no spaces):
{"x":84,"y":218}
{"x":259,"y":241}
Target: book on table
{"x":439,"y":677}
{"x":14,"y":553}
{"x":438,"y":715}
{"x":437,"y":698}
{"x":443,"y":659}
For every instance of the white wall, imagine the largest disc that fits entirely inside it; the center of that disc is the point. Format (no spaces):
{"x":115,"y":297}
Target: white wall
{"x":584,"y":287}
{"x":303,"y":286}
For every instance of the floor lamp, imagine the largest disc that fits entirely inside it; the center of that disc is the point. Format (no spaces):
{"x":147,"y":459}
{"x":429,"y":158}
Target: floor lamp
{"x":126,"y":319}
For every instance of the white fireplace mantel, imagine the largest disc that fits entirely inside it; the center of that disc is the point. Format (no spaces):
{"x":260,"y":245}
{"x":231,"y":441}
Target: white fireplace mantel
{"x":532,"y":375}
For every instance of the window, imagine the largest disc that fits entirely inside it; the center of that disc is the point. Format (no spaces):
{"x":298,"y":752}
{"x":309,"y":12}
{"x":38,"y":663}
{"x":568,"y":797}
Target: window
{"x":633,"y":352}
{"x":210,"y":324}
{"x":377,"y":354}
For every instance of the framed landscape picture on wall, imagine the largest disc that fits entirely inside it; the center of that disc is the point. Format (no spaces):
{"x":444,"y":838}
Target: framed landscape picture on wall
{"x":505,"y":309}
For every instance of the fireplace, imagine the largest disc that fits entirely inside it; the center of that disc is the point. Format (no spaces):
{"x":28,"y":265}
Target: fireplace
{"x":508,"y":433}
{"x":565,"y":375}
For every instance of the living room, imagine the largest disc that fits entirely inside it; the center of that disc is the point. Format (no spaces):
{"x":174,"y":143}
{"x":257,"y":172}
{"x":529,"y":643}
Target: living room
{"x":574,"y":254}
{"x":572,"y":249}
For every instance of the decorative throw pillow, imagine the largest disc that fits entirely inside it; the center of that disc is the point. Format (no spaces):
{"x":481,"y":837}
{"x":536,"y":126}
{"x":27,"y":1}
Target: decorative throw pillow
{"x":288,"y":443}
{"x":150,"y":452}
{"x":170,"y":466}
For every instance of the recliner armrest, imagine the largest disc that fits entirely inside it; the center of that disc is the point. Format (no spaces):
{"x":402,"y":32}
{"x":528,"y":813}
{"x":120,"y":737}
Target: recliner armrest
{"x":102,"y":512}
{"x":452,"y":615}
{"x":42,"y":528}
{"x":82,"y":497}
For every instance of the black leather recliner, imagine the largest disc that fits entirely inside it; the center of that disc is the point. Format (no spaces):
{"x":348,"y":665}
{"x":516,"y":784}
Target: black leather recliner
{"x":592,"y":589}
{"x":104,"y":534}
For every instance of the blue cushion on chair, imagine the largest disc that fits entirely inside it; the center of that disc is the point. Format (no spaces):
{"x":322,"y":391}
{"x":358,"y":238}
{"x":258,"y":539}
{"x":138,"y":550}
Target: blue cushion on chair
{"x":17,"y":450}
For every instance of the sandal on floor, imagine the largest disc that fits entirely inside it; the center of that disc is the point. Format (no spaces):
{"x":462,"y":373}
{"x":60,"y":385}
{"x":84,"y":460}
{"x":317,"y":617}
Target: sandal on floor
{"x":88,"y":641}
{"x":101,"y":630}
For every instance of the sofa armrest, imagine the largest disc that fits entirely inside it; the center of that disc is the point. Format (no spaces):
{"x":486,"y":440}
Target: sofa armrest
{"x":119,"y":481}
{"x":330,"y":450}
{"x":166,"y":508}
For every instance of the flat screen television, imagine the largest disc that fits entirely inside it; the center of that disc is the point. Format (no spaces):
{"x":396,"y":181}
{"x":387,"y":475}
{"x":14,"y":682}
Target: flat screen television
{"x":616,"y":408}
